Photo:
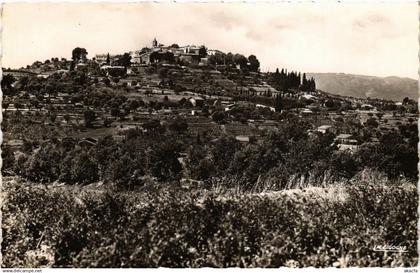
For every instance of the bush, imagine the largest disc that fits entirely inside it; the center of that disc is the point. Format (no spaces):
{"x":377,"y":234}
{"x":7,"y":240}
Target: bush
{"x":44,"y":164}
{"x":171,"y":227}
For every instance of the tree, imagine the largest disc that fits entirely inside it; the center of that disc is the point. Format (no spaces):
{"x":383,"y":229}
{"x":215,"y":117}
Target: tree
{"x":229,"y":59}
{"x":124,"y":113}
{"x":163,"y":160}
{"x":197,"y":164}
{"x":7,"y":81}
{"x":106,"y":149}
{"x":178,"y":125}
{"x":240,"y":60}
{"x":34,"y":103}
{"x":124,"y":60}
{"x":219,"y":117}
{"x":106,"y":81}
{"x":332,"y":104}
{"x":126,"y":170}
{"x":43,"y":165}
{"x":67,"y":118}
{"x":84,"y":168}
{"x":372,"y":123}
{"x":53,"y":116}
{"x":152,"y":125}
{"x":216,"y":59}
{"x":116,"y":80}
{"x":108,"y":60}
{"x":202,"y":52}
{"x":134,"y":104}
{"x":379,"y":115}
{"x":393,"y":155}
{"x":278,"y":104}
{"x":344,"y":164}
{"x":8,"y":158}
{"x":144,"y":50}
{"x":81,"y":79}
{"x":254,"y":64}
{"x":304,"y":86}
{"x":154,"y":57}
{"x":18,"y":105}
{"x":20,"y":164}
{"x":22,"y":82}
{"x":168,"y":57}
{"x":312,"y":85}
{"x":223,"y":151}
{"x":163,"y":73}
{"x":89,"y":116}
{"x":79,"y":54}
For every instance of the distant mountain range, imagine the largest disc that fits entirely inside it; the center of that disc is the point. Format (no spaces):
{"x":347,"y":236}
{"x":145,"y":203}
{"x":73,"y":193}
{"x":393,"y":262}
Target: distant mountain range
{"x":390,"y":88}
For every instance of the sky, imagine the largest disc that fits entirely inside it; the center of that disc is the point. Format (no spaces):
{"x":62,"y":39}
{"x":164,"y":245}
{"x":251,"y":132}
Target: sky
{"x":379,"y":39}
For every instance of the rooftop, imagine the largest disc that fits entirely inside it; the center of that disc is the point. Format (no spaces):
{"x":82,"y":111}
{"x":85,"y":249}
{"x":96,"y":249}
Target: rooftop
{"x":324,"y":127}
{"x":343,"y":136}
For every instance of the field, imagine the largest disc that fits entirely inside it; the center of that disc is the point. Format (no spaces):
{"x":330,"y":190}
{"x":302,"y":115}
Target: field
{"x":188,"y":226}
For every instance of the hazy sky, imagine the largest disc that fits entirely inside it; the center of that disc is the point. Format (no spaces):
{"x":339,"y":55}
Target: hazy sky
{"x":372,"y":39}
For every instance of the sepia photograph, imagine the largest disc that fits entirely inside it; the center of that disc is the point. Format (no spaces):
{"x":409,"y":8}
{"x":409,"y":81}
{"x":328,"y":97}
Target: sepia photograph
{"x":209,"y":135}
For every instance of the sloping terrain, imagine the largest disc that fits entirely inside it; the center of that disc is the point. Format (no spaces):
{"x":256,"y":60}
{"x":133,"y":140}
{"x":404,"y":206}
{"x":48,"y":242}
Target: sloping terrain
{"x":360,"y":86}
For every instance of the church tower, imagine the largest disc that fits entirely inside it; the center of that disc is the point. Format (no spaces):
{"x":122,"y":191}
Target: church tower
{"x":155,"y":43}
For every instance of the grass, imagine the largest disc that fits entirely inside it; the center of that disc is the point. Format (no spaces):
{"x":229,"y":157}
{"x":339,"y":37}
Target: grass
{"x":175,"y":226}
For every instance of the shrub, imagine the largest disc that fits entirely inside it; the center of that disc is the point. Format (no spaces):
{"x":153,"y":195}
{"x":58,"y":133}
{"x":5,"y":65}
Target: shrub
{"x":171,"y":227}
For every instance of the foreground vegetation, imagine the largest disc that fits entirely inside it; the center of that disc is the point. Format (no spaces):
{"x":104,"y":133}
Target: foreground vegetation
{"x":180,"y":226}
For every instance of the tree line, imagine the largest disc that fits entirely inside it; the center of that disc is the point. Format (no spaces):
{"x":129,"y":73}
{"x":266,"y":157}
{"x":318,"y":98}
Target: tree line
{"x":286,"y":81}
{"x":277,"y":157}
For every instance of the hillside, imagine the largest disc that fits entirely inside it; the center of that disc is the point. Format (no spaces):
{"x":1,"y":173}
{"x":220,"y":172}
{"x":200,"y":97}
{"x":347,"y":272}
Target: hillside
{"x":392,"y":88}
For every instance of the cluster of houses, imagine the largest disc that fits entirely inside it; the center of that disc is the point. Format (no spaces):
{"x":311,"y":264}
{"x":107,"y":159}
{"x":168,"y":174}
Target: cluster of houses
{"x":158,"y":52}
{"x":344,"y":142}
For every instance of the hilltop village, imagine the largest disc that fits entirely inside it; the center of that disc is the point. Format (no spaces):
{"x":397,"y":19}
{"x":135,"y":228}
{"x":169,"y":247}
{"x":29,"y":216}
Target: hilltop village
{"x":188,"y":95}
